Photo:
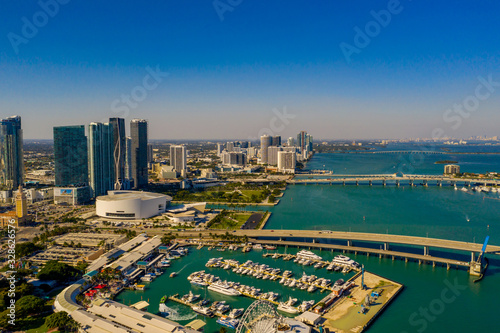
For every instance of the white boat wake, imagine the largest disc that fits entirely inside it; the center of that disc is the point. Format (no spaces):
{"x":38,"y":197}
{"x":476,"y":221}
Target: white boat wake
{"x":172,"y":314}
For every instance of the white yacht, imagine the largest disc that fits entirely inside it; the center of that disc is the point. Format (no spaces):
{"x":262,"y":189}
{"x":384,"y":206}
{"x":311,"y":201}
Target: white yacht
{"x":343,"y":260}
{"x":223,"y":288}
{"x":306,"y":305}
{"x":202,"y":310}
{"x":287,"y":308}
{"x":308,"y":255}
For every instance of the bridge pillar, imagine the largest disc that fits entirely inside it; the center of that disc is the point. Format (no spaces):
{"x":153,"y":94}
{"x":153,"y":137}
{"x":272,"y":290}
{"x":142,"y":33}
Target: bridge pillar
{"x":397,"y":183}
{"x":440,"y":183}
{"x":343,"y":182}
{"x":383,"y":182}
{"x":357,"y":183}
{"x":380,"y":256}
{"x":386,"y":246}
{"x":392,"y":258}
{"x":419,"y":261}
{"x":447,"y":267}
{"x":426,"y":250}
{"x":370,"y":183}
{"x":406,"y":259}
{"x":367,"y":254}
{"x":425,"y":183}
{"x":433,"y":264}
{"x":314,"y":240}
{"x":472,"y":257}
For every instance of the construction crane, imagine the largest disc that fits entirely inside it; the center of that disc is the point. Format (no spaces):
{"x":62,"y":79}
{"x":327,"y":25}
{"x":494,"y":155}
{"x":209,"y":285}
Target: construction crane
{"x":477,"y":267}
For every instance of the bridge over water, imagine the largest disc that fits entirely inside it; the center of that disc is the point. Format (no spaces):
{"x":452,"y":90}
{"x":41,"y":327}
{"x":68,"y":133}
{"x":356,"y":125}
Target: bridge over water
{"x":357,"y":242}
{"x":391,"y":179}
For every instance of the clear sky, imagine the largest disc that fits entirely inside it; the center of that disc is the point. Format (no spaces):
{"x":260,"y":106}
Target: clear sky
{"x":229,"y":67}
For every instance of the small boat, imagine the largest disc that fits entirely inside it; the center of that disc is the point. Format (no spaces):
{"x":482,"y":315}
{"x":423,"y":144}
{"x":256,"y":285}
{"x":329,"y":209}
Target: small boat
{"x":228,"y":322}
{"x":270,"y":247}
{"x":173,"y":274}
{"x":203,"y":310}
{"x":163,"y":308}
{"x":235,"y":313}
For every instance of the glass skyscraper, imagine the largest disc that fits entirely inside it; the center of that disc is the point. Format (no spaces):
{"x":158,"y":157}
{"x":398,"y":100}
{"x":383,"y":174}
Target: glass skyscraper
{"x":70,"y":156}
{"x":139,"y":152}
{"x":101,"y":160}
{"x":11,"y":153}
{"x":118,"y":125}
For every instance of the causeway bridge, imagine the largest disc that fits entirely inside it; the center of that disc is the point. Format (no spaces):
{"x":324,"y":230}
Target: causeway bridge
{"x":392,"y":179}
{"x":356,"y":242}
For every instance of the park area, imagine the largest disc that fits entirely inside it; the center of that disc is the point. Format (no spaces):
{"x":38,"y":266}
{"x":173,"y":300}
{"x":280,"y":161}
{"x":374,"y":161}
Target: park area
{"x":230,"y":220}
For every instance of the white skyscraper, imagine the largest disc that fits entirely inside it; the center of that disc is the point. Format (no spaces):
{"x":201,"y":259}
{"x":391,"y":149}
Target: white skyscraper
{"x":178,"y":158}
{"x":286,"y":161}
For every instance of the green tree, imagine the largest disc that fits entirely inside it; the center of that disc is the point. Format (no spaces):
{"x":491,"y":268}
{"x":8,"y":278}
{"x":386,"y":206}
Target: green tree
{"x":55,"y":270}
{"x":27,"y":248}
{"x":62,"y":321}
{"x":29,"y":305}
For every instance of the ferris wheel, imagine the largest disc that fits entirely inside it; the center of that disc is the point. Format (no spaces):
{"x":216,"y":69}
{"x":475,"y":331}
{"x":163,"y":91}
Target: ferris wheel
{"x":260,"y":317}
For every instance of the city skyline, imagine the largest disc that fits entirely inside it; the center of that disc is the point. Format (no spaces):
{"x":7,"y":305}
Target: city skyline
{"x":193,"y":66}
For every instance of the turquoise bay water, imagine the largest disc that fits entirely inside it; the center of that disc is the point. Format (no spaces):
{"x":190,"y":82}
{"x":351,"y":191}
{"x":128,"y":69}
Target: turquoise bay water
{"x":427,"y":304}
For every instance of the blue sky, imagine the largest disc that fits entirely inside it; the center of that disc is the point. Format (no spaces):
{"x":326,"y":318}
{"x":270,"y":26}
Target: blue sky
{"x":225,"y":77}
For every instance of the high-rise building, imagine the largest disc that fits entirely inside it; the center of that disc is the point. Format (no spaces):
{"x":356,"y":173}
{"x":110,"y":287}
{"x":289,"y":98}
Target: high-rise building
{"x":101,"y":161}
{"x":118,"y":125}
{"x":234,"y":158}
{"x":178,"y":158}
{"x":451,"y":169}
{"x":304,"y":142}
{"x":220,"y":148}
{"x":128,"y":158}
{"x":21,"y":203}
{"x":70,"y":156}
{"x":11,"y":153}
{"x":139,"y":133}
{"x":150,"y":153}
{"x":272,"y":155}
{"x":290,"y":142}
{"x":286,"y":161}
{"x":276,"y":140}
{"x":230,"y":146}
{"x":265,"y":142}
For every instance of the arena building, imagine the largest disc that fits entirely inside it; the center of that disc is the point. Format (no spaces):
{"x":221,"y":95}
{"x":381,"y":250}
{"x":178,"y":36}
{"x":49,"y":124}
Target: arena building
{"x":131,"y":205}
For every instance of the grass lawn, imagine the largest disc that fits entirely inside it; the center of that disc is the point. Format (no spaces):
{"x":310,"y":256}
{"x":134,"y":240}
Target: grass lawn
{"x":232,"y":222}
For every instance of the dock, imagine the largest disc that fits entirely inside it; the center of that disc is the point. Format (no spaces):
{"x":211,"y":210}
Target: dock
{"x":353,"y":313}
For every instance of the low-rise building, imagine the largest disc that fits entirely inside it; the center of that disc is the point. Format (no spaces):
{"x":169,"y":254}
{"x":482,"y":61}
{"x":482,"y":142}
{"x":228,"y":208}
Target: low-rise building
{"x":91,"y":239}
{"x":131,"y":205}
{"x":71,"y":195}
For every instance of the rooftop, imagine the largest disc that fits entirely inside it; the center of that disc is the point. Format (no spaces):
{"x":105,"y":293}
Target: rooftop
{"x":130,"y":195}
